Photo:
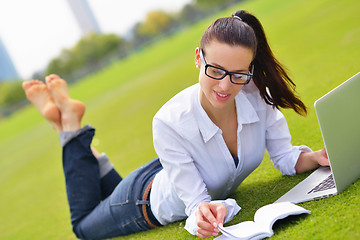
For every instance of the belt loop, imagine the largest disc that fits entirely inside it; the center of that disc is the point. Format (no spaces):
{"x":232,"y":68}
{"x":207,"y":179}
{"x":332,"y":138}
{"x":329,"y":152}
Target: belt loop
{"x":142,"y":202}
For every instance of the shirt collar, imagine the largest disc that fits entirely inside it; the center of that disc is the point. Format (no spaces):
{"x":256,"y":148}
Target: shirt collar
{"x":245,"y":112}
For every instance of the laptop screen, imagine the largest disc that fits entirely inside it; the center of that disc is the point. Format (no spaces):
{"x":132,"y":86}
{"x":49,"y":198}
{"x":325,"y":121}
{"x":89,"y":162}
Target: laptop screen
{"x":338,"y":113}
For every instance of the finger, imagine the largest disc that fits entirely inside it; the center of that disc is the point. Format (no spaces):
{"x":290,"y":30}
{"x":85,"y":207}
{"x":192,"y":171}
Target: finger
{"x":203,"y":225}
{"x":206,"y":235}
{"x":203,"y":233}
{"x":325,"y":153}
{"x":206,"y":226}
{"x":221,"y":211}
{"x":323,"y":160}
{"x":204,"y":210}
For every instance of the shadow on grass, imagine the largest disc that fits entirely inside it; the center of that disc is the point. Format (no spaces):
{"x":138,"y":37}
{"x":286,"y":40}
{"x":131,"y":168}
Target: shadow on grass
{"x":254,"y":194}
{"x":290,"y":221}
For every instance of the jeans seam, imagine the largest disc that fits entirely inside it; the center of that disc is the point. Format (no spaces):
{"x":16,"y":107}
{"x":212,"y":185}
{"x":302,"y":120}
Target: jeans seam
{"x":136,"y":220}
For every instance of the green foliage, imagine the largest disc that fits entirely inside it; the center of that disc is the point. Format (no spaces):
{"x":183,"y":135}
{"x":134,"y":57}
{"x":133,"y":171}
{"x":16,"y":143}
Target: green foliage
{"x":11,"y":92}
{"x":211,"y":4}
{"x":156,"y":22}
{"x":190,"y":13}
{"x":317,"y":40}
{"x":88,"y":51}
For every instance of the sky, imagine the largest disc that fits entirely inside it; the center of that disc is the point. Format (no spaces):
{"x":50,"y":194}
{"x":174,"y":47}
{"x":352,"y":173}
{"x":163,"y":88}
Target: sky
{"x":35,"y":31}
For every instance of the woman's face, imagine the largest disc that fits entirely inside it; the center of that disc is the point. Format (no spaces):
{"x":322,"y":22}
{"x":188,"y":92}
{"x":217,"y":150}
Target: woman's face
{"x":219,"y":95}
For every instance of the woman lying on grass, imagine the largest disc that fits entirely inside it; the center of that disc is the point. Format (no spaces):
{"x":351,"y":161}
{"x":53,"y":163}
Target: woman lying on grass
{"x":209,"y":138}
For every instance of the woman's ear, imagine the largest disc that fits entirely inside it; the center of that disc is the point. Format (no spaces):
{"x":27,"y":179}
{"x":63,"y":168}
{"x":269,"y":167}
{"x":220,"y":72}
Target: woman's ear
{"x":197,"y":57}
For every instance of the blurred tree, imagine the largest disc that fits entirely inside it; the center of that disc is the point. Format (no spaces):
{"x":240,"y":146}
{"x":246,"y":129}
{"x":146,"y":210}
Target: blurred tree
{"x":39,"y":75}
{"x":88,"y":51}
{"x":11,"y":92}
{"x":214,"y":4}
{"x":190,"y":13}
{"x":156,"y":22}
{"x":137,"y":38}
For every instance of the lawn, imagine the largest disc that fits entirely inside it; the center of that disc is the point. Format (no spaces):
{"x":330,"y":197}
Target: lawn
{"x":318,"y":41}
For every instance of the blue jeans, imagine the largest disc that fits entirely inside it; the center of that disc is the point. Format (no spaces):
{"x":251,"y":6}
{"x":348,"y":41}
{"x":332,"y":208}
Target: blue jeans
{"x":109,"y":206}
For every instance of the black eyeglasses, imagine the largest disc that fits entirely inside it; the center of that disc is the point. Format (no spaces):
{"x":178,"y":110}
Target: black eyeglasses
{"x":219,"y":73}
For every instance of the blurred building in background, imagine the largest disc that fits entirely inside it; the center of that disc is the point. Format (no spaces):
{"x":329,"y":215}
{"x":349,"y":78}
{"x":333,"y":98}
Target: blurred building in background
{"x":84,"y":16}
{"x":7,"y":67}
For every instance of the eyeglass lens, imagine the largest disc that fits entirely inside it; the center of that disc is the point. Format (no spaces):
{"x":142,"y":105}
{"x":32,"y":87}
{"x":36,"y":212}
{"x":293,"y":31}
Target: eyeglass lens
{"x":218,"y":73}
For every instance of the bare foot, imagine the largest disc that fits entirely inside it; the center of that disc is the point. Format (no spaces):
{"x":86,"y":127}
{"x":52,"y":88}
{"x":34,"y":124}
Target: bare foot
{"x":71,"y":110}
{"x":39,"y":95}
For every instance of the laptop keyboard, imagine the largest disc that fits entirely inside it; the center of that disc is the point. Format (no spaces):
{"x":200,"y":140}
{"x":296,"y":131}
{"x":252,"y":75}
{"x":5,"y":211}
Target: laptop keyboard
{"x":328,"y":183}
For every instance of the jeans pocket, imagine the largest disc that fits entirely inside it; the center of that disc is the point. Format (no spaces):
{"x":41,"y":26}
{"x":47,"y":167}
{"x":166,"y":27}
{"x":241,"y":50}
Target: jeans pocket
{"x":125,"y":191}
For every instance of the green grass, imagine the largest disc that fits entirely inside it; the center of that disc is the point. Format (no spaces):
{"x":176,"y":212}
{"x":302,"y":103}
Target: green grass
{"x":317,"y":40}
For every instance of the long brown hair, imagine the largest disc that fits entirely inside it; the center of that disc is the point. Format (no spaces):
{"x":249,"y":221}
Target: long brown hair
{"x":244,"y":29}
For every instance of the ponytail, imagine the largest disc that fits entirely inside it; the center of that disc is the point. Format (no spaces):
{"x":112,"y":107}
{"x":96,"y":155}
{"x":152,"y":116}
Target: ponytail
{"x":269,"y":73}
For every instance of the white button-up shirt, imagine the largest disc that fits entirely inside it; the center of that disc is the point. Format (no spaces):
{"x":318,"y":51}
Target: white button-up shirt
{"x":197,"y":164}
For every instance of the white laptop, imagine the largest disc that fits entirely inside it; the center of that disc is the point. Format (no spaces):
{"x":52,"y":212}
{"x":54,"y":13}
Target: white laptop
{"x":338,"y":113}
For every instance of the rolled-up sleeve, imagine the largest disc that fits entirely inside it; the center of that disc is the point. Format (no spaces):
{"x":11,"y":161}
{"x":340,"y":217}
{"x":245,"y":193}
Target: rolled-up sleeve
{"x":278,"y":143}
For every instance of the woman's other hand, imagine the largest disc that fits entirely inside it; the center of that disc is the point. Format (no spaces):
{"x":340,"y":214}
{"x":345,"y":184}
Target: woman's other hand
{"x":323,"y":159}
{"x":311,"y":160}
